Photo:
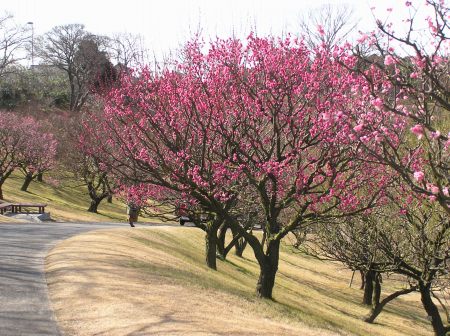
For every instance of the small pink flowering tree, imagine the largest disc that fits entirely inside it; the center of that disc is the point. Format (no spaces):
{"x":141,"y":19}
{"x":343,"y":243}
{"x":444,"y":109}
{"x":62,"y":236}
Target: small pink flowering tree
{"x":37,"y":152}
{"x":268,"y":116}
{"x":24,"y":146}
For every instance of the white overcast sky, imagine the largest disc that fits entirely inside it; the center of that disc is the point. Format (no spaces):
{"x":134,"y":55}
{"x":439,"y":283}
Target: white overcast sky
{"x":165,"y":24}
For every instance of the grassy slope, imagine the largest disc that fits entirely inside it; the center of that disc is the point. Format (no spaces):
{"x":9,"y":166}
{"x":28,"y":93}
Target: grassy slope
{"x":67,"y":200}
{"x":307,"y":291}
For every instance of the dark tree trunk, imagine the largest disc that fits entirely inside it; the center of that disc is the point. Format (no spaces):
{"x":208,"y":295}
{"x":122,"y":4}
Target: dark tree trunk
{"x":72,"y":91}
{"x":3,"y":178}
{"x":40,"y":177}
{"x":240,"y":243}
{"x":96,"y":197}
{"x":376,"y":309}
{"x":222,"y":232}
{"x":222,"y":248}
{"x":431,"y":309}
{"x":240,"y":247}
{"x":443,"y":306}
{"x":237,"y":237}
{"x":211,"y":247}
{"x":368,"y":288}
{"x":26,"y":182}
{"x":268,"y":270}
{"x":376,"y":290}
{"x":363,"y":279}
{"x":267,"y":260}
{"x":93,"y":207}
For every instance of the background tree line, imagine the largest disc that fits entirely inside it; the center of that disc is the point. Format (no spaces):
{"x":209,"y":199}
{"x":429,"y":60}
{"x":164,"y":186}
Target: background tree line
{"x":70,"y":66}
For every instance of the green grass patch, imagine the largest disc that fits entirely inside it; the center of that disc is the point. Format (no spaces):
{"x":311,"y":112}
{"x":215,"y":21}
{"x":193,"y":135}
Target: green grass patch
{"x":308,"y":290}
{"x":66,"y":198}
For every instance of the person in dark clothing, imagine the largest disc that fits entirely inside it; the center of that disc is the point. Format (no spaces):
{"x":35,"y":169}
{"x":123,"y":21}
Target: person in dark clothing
{"x":133,"y":213}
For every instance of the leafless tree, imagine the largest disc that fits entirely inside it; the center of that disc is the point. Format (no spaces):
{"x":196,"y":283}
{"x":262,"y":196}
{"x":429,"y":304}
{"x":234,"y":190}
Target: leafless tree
{"x":410,"y":240}
{"x":328,"y":24}
{"x":12,"y":38}
{"x":77,"y":52}
{"x":351,"y":241}
{"x":127,"y":50}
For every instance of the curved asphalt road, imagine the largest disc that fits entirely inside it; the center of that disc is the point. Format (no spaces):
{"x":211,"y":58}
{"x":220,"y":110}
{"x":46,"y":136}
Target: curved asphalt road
{"x":24,"y":303}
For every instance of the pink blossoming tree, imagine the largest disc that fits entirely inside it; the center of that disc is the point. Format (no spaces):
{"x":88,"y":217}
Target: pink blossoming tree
{"x":407,"y":82}
{"x":24,"y":145}
{"x":269,"y":116}
{"x":37,"y":151}
{"x":406,"y":123}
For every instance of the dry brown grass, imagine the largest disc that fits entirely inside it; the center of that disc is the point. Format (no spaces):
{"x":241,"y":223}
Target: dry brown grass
{"x":153,"y":281}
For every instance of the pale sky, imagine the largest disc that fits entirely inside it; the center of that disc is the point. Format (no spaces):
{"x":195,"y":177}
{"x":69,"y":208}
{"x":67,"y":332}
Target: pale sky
{"x":166,"y":24}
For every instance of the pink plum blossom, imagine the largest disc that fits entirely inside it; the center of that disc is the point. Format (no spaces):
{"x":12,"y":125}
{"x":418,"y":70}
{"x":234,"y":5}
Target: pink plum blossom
{"x":445,"y":191}
{"x":378,"y":103}
{"x":434,"y":189}
{"x":358,"y":128}
{"x":418,"y":131}
{"x":389,"y":60}
{"x":362,"y":38}
{"x":419,"y":176}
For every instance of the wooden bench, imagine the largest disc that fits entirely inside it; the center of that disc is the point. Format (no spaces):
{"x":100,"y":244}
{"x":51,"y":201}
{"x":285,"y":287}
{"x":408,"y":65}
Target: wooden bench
{"x":18,"y":207}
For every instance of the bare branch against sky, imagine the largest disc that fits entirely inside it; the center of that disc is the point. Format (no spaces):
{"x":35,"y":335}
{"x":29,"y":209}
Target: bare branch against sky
{"x":164,"y":25}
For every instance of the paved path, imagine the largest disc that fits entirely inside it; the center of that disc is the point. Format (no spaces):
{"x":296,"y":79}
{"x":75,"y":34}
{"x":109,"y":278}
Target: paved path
{"x":24,"y":303}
